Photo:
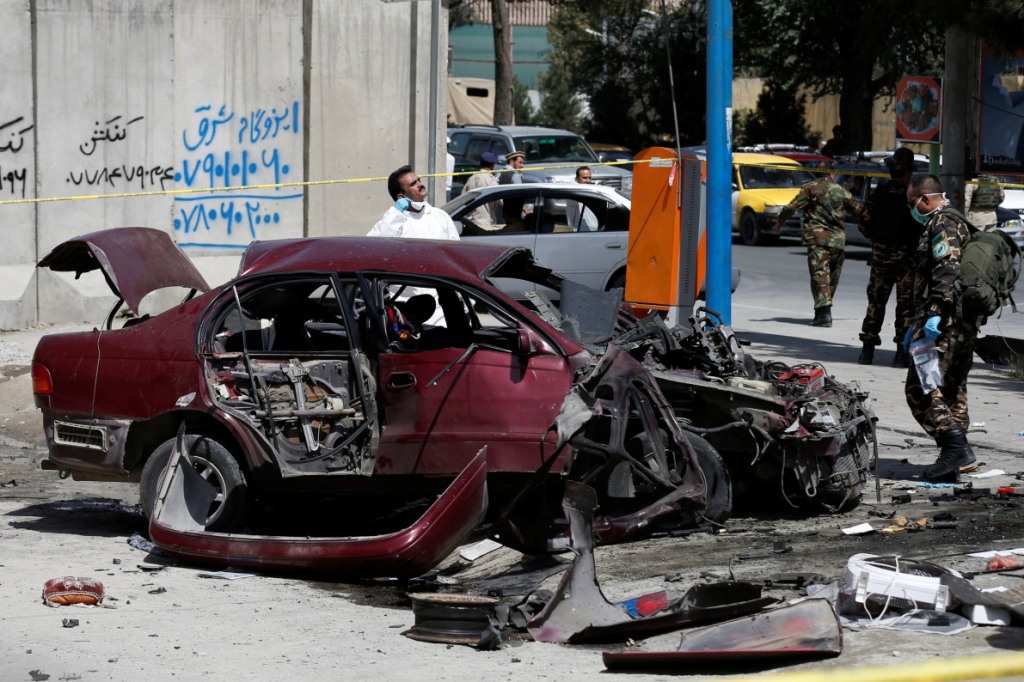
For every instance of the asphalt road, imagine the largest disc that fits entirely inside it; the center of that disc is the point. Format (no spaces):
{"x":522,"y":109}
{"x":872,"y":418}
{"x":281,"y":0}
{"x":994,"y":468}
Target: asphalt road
{"x":775,"y":285}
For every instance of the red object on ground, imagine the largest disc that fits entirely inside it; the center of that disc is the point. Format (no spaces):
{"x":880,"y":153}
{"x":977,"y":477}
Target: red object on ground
{"x":1003,"y":561}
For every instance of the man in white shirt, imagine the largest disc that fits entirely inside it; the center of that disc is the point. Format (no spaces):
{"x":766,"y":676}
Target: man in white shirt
{"x":412,"y":217}
{"x":579,"y":217}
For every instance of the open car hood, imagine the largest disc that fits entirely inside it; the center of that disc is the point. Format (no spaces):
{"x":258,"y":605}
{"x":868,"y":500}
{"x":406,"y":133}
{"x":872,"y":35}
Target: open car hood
{"x":518,"y":263}
{"x":135,"y":262}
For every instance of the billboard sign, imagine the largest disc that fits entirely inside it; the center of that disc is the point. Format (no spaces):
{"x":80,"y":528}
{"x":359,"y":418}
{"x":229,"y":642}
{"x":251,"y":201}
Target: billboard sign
{"x":918,"y":109}
{"x":1001,"y":118}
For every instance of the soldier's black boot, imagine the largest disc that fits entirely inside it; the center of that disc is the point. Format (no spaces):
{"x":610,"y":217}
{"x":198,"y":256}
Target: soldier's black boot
{"x":955,"y":453}
{"x":822,"y":316}
{"x":902,"y":357}
{"x":867,"y":354}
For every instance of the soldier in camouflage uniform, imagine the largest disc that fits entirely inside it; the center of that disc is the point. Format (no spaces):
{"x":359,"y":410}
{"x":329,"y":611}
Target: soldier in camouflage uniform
{"x":894,"y":234}
{"x":824,"y":204}
{"x":942,"y":412}
{"x":981,"y":201}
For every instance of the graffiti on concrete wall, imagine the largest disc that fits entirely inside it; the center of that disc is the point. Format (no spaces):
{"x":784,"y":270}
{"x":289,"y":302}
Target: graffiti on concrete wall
{"x":13,"y":168}
{"x":228,"y":148}
{"x":124,"y":177}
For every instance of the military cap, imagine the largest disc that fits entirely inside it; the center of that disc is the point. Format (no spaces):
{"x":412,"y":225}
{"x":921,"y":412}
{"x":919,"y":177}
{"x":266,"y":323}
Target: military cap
{"x":488,"y":159}
{"x":901,"y":161}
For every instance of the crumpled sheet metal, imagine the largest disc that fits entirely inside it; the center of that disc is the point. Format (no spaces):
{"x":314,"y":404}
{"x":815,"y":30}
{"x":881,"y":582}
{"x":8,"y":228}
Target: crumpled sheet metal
{"x":618,"y":389}
{"x":579,"y":612}
{"x":807,"y":630}
{"x":177,"y":527}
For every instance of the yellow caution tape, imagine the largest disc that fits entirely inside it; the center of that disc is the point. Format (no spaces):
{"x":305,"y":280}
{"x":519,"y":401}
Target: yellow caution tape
{"x":307,"y":183}
{"x":981,"y":667}
{"x":352,"y":181}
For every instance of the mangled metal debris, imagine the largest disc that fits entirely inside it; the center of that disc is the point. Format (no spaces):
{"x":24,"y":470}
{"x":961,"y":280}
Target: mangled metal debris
{"x":793,"y":430}
{"x":625,"y":440}
{"x":578,"y":612}
{"x":807,"y":630}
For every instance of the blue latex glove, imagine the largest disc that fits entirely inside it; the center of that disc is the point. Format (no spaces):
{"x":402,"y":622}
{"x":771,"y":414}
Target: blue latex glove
{"x":906,"y":340}
{"x":931,"y":327}
{"x":402,"y":204}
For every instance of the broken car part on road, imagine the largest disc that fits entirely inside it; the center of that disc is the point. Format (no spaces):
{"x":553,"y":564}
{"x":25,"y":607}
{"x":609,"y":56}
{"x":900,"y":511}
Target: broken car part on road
{"x":578,"y":612}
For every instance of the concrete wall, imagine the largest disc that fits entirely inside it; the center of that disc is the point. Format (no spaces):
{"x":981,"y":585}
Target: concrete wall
{"x":823,"y":113}
{"x":151,"y":95}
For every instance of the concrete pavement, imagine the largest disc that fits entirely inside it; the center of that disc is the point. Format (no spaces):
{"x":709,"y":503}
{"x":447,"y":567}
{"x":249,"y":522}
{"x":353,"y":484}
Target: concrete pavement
{"x":782,"y":332}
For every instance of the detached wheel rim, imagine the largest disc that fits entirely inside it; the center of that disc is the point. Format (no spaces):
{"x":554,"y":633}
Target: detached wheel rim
{"x":212,"y":475}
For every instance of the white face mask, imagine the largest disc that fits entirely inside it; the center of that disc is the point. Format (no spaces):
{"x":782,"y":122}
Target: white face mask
{"x":417,"y":205}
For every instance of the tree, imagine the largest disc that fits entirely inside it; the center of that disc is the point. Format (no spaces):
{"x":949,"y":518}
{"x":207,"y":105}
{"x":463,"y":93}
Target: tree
{"x":521,"y":104}
{"x":613,"y":52}
{"x":779,"y":117}
{"x":857,"y":49}
{"x":460,"y":13}
{"x":559,"y":106}
{"x":502,"y":63}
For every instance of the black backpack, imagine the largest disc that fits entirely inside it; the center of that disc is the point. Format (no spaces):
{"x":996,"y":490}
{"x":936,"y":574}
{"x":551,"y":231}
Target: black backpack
{"x":990,"y":264}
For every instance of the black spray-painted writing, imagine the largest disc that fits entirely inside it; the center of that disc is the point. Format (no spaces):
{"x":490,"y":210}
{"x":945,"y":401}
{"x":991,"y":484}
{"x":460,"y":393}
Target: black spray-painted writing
{"x":115,"y":130}
{"x":13,"y":178}
{"x":146,"y":177}
{"x":13,"y":133}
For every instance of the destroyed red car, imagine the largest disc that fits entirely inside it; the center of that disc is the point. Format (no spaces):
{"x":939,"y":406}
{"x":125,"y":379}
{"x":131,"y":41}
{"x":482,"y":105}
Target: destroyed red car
{"x":357,"y":368}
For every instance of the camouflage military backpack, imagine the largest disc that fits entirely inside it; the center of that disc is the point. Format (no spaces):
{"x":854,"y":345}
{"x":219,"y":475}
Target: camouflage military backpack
{"x":986,"y":197}
{"x":990,"y":264}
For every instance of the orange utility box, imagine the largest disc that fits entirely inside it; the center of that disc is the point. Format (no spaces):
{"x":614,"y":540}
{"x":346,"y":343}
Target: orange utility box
{"x":666,"y":263}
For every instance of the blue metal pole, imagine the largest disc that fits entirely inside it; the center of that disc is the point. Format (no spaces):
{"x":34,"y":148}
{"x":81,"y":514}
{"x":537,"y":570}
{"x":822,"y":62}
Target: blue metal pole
{"x":719,"y":146}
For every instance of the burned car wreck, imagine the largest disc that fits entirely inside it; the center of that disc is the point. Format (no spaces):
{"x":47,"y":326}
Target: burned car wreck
{"x":375,"y":375}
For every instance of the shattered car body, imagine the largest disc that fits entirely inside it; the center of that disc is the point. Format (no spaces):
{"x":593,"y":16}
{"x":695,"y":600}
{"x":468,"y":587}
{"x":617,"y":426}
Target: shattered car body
{"x":792,"y":432}
{"x":352,"y":368}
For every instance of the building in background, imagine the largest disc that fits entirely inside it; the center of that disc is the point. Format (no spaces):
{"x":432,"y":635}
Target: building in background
{"x":472,"y":47}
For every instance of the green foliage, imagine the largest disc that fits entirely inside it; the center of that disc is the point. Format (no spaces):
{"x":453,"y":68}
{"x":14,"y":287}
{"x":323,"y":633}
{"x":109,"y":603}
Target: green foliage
{"x":858,"y":49}
{"x":460,"y":13}
{"x":613,"y":52}
{"x":559,"y":105}
{"x":779,"y":117}
{"x":525,"y":113}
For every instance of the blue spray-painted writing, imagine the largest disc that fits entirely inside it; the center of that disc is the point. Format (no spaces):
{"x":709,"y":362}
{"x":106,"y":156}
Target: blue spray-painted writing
{"x":227,"y":149}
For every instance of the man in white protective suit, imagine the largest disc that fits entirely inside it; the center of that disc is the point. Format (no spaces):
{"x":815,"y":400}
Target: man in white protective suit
{"x":412,"y":217}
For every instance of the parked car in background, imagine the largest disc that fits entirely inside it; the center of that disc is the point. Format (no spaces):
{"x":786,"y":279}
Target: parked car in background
{"x":613,"y":152}
{"x":762,"y":185}
{"x":579,"y":231}
{"x":552,"y":155}
{"x":802,"y":154}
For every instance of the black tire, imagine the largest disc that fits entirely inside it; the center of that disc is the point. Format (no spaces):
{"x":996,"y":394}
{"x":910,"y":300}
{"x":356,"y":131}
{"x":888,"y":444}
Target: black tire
{"x":622,"y":484}
{"x":216,"y":465}
{"x":716,"y":475}
{"x":617,"y":282}
{"x":749,"y":231}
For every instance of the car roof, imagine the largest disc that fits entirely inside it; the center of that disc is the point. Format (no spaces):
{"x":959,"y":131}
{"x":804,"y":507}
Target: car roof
{"x":354,"y":254}
{"x":803,"y":156}
{"x":536,"y":130}
{"x":765,"y":159}
{"x":573,"y":186}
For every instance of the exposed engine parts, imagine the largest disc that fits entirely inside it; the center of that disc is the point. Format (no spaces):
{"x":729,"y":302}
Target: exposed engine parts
{"x":312,"y":412}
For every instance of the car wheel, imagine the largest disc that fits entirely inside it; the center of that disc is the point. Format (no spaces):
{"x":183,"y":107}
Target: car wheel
{"x":617,"y":281}
{"x":716,"y":476}
{"x":216,"y":465}
{"x":622,"y":483}
{"x":748,"y":230}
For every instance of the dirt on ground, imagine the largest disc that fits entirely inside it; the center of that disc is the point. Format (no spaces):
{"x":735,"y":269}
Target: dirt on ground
{"x":166,"y":622}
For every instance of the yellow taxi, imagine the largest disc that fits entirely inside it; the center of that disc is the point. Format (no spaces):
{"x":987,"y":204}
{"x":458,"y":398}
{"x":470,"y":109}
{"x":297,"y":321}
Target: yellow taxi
{"x":762,"y":184}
